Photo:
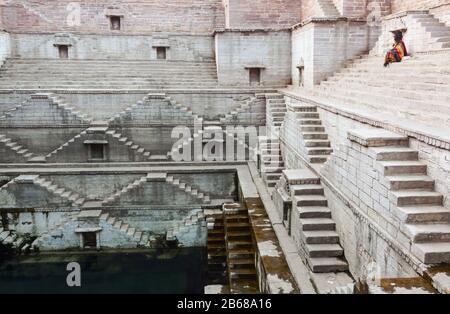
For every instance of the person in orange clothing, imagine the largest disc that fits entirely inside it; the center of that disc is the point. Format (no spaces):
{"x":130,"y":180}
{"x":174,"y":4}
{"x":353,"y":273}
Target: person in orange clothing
{"x":399,"y":51}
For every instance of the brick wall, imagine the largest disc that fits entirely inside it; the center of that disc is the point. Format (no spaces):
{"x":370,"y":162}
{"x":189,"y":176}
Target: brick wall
{"x":403,"y":5}
{"x":192,"y":16}
{"x":263,"y":13}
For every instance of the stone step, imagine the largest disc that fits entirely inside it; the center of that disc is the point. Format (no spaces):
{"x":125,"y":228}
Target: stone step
{"x":241,"y":261}
{"x":307,"y":189}
{"x":395,"y":153}
{"x":315,"y":135}
{"x":314,"y":224}
{"x":432,"y":253}
{"x":422,"y":233}
{"x":317,"y":143}
{"x":413,"y":197}
{"x":324,"y":250}
{"x":314,"y":212}
{"x":410,"y":182}
{"x":392,"y":168}
{"x":317,"y":159}
{"x":423,"y":214}
{"x":318,"y":151}
{"x":321,"y":237}
{"x":242,"y":273}
{"x":310,"y":200}
{"x":327,"y":265}
{"x":240,"y":253}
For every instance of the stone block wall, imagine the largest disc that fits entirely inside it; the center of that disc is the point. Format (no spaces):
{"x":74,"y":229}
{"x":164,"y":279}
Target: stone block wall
{"x":442,"y":13}
{"x":347,"y":8}
{"x":5,"y":46}
{"x":416,"y":38}
{"x":403,"y":5}
{"x":333,"y":42}
{"x":236,"y":51}
{"x":254,"y":14}
{"x":181,"y":16}
{"x":117,"y":46}
{"x":368,"y":223}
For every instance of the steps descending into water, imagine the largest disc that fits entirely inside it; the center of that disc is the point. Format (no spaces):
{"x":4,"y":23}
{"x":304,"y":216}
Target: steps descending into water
{"x":240,"y":250}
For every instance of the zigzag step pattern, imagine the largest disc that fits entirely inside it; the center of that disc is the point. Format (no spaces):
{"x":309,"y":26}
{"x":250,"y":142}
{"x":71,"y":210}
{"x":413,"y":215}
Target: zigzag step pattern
{"x":74,"y":198}
{"x":186,"y":225}
{"x":142,"y":238}
{"x":16,"y":147}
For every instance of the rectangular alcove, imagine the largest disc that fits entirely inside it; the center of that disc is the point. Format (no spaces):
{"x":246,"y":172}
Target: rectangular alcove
{"x":96,"y":150}
{"x":115,"y":22}
{"x":255,"y":75}
{"x":63,"y":51}
{"x":161,"y":53}
{"x":161,"y":50}
{"x":89,"y":239}
{"x":301,"y":76}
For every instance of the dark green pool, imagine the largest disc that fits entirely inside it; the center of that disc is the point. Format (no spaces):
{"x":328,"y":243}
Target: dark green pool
{"x":167,"y":271}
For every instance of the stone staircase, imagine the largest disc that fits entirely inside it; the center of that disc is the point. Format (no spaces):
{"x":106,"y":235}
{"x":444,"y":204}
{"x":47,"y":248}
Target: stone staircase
{"x":59,"y":74}
{"x":240,"y":251}
{"x":327,"y":8}
{"x":75,"y":140}
{"x":318,"y":237}
{"x":21,"y":154}
{"x":188,"y":144}
{"x":74,"y":198}
{"x":318,"y":147}
{"x":69,"y":111}
{"x":185,"y":111}
{"x":419,"y":206}
{"x":216,"y":247}
{"x":437,"y":34}
{"x":139,"y":152}
{"x":232,"y":116}
{"x":415,"y":89}
{"x":186,"y":226}
{"x":204,"y":197}
{"x":114,"y":137}
{"x":11,"y":239}
{"x":134,"y":185}
{"x":140,"y":237}
{"x":271,"y":161}
{"x":56,"y":231}
{"x":275,"y":113}
{"x":40,"y":108}
{"x":182,"y":108}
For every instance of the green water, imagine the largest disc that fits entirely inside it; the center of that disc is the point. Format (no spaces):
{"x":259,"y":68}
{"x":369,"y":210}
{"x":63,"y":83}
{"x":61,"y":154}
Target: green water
{"x":167,"y":271}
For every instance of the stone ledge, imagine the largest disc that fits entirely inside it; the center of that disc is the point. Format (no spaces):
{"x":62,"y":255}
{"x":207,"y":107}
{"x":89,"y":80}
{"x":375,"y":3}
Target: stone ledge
{"x":376,"y":138}
{"x":300,"y":176}
{"x":423,"y":136}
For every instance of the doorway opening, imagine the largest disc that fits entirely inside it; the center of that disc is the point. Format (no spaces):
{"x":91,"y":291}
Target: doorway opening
{"x":63,"y":51}
{"x":89,"y":240}
{"x":255,"y":76}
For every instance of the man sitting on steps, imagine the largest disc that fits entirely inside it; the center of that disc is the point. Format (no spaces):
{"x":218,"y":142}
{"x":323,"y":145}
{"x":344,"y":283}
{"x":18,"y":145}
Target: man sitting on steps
{"x":399,"y":51}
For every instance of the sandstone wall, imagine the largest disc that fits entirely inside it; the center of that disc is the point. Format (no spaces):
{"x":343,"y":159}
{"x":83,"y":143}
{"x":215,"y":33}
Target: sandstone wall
{"x":262,"y":13}
{"x":348,"y":8}
{"x":237,"y":51}
{"x":403,"y":5}
{"x":323,"y":48}
{"x":187,"y":48}
{"x":5,"y":46}
{"x":91,"y":16}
